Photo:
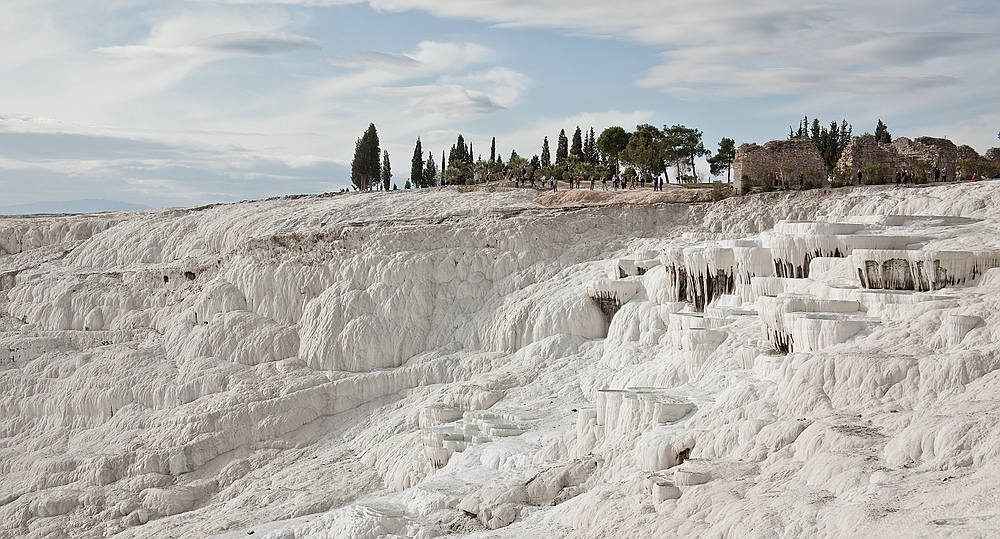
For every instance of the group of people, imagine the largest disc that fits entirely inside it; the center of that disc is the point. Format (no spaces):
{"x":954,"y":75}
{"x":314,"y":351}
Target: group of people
{"x":618,"y":181}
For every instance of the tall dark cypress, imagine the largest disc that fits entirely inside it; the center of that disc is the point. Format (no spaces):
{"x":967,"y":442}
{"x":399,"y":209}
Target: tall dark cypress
{"x":366,"y":166}
{"x":562,"y":147}
{"x":577,"y":147}
{"x":417,"y":166}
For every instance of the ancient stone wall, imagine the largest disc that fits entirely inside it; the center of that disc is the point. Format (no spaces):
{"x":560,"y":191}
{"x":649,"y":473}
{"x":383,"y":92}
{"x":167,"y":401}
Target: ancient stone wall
{"x":968,"y":152}
{"x":863,"y":152}
{"x":993,"y":154}
{"x":922,"y":155}
{"x":792,"y":160}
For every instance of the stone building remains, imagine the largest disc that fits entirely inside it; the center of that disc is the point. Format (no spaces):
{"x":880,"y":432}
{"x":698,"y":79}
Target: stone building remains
{"x":903,"y":154}
{"x":794,"y":161}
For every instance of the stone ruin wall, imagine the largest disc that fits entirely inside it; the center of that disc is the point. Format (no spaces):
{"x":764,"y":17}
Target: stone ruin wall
{"x":968,"y":152}
{"x":993,"y":154}
{"x":789,"y":158}
{"x":902,"y":154}
{"x":862,"y":152}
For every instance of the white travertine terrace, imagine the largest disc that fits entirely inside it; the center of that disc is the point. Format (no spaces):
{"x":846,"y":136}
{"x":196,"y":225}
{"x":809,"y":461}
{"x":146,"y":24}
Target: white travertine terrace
{"x":433,"y":363}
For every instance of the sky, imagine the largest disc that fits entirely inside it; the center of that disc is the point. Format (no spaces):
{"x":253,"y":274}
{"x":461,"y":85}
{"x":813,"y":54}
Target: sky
{"x":177,"y":103}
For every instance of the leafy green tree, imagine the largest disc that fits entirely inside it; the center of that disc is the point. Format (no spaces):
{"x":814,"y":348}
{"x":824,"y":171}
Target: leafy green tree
{"x":546,"y":158}
{"x":723,"y":159}
{"x":683,"y":145}
{"x":611,"y":143}
{"x":882,"y":133}
{"x":365,"y":167}
{"x":577,"y":147}
{"x":562,"y":147}
{"x":430,"y":171}
{"x":386,"y":171}
{"x":417,"y":166}
{"x":645,"y":152}
{"x":458,"y":173}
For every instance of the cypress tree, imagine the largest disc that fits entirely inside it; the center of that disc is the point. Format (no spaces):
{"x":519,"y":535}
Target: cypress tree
{"x":417,"y":166}
{"x":562,"y":147}
{"x":590,"y":148}
{"x":366,"y":165}
{"x":546,"y":159}
{"x":386,"y":171}
{"x":430,"y":171}
{"x":882,"y":133}
{"x":577,"y":147}
{"x":493,"y":150}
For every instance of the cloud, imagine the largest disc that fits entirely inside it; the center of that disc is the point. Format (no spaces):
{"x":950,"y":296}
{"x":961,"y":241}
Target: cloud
{"x":377,"y":60}
{"x":451,"y":100}
{"x":235,"y":43}
{"x":39,"y":157}
{"x":431,"y":80}
{"x":711,"y":47}
{"x":429,"y":58}
{"x":257,"y":43}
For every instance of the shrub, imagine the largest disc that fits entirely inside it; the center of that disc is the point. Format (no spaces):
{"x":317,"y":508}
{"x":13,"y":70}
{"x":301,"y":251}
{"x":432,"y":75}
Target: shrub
{"x":765,"y":180}
{"x":720,"y":191}
{"x":921,"y":172}
{"x":982,"y":167}
{"x":812,"y":179}
{"x":841,"y":178}
{"x":877,"y":174}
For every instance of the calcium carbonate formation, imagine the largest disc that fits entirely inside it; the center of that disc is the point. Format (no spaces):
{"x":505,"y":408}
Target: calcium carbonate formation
{"x":439,"y":363}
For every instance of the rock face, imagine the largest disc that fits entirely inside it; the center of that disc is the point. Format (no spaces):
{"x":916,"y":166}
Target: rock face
{"x":756,"y":166}
{"x":437,"y":362}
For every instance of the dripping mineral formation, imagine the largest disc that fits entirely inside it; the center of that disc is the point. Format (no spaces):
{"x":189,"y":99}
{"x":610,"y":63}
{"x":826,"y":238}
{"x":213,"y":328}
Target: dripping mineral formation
{"x":425,"y":364}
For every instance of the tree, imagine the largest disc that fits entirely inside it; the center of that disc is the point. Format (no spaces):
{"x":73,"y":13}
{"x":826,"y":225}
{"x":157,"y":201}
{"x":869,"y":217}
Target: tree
{"x":683,"y":145}
{"x":386,"y":171}
{"x":611,"y":143}
{"x":577,"y":147}
{"x":417,"y":166}
{"x":723,"y":159}
{"x":430,"y":171}
{"x":546,"y":158}
{"x":562,"y":147}
{"x":882,"y":133}
{"x":644,"y":151}
{"x":829,"y":141}
{"x":365,"y":167}
{"x":493,"y":150}
{"x":590,"y":148}
{"x":459,"y":163}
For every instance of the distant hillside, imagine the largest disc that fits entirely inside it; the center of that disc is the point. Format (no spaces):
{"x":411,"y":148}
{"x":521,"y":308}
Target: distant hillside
{"x":89,"y":205}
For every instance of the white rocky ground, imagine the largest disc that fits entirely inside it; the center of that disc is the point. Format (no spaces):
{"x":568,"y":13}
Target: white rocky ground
{"x":429,"y":363}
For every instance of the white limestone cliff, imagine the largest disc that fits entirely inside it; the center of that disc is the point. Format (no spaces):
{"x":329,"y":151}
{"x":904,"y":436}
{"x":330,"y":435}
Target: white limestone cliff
{"x":475,"y":364}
